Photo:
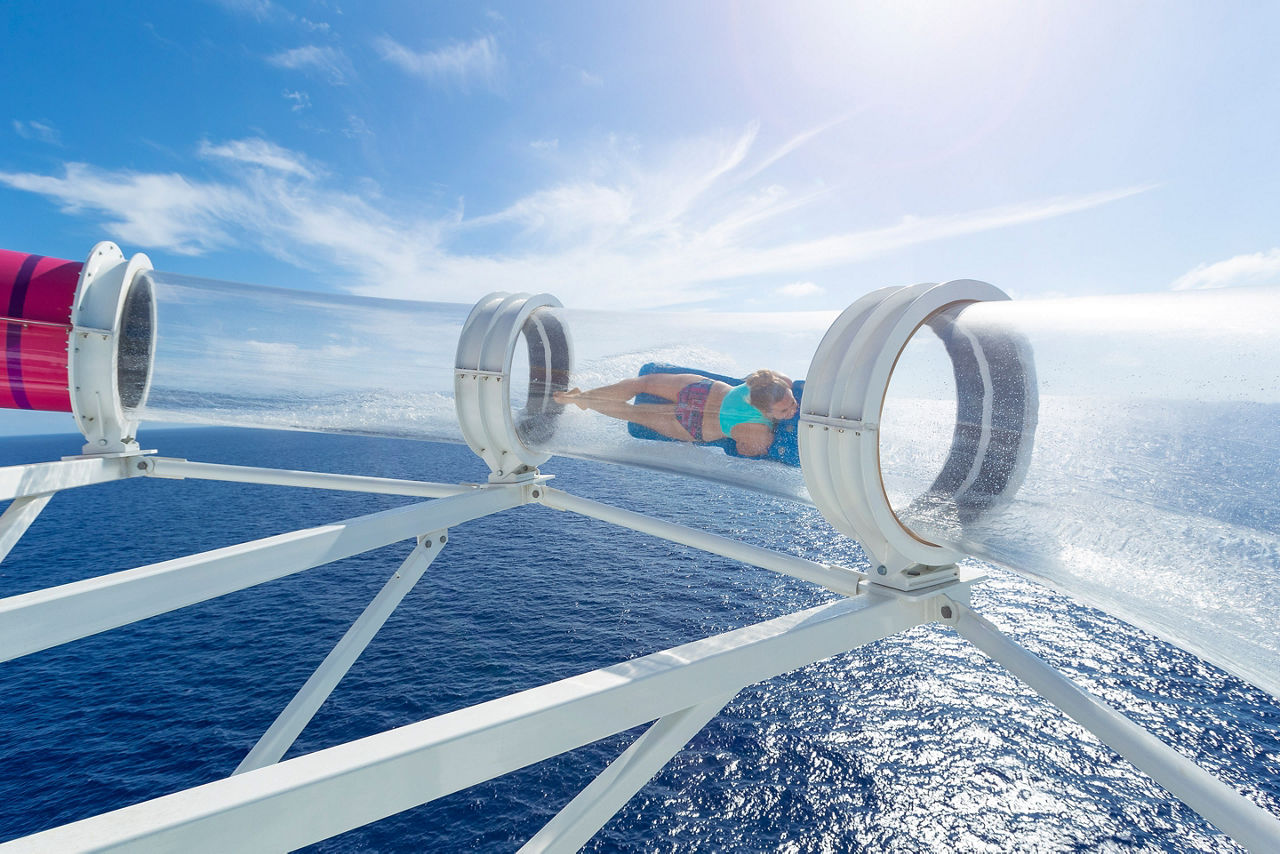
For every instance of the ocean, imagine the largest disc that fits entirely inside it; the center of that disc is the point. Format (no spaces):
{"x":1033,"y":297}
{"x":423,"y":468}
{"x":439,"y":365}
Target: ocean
{"x":914,"y":743}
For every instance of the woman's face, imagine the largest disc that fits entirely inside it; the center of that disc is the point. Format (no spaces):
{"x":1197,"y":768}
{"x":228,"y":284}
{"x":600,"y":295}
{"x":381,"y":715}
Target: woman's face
{"x":784,"y":408}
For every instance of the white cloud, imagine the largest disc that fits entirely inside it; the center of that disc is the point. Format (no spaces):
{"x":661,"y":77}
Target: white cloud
{"x":271,"y":202}
{"x":301,"y":100}
{"x":913,"y":230}
{"x":356,"y":127}
{"x":594,"y":81}
{"x":259,"y":152}
{"x":570,"y":215}
{"x":796,"y":290}
{"x":154,"y":210}
{"x":38,"y":131}
{"x":545,"y":144}
{"x":1256,"y":269}
{"x":326,"y":61}
{"x":795,"y":142}
{"x":259,"y":10}
{"x":630,"y":228}
{"x":266,"y":10}
{"x":457,"y":64}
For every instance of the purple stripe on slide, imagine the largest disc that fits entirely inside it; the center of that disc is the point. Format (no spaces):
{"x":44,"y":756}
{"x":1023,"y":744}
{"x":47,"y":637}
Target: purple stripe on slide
{"x":13,"y":336}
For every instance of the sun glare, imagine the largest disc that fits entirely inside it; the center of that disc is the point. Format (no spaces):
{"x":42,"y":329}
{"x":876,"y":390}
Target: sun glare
{"x":917,"y":55}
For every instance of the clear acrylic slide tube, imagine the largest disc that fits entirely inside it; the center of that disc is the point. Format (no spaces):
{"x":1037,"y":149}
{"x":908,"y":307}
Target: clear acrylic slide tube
{"x":254,"y":356}
{"x":1153,"y":487}
{"x":1150,"y":489}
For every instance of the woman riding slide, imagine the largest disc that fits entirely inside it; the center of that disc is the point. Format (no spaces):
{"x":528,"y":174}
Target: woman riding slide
{"x":700,"y":409}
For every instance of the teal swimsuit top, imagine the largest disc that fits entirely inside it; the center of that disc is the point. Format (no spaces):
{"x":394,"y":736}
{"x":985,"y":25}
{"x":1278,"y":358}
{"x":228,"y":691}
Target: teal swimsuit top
{"x":735,"y":410}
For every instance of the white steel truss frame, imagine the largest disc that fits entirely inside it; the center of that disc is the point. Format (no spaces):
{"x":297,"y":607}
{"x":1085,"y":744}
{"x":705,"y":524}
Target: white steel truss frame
{"x":270,"y":805}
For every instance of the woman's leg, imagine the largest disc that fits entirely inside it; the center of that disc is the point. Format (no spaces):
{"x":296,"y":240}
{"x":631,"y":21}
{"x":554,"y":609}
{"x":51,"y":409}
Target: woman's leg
{"x":666,"y":386}
{"x":659,"y":417}
{"x":612,"y":400}
{"x":624,"y":390}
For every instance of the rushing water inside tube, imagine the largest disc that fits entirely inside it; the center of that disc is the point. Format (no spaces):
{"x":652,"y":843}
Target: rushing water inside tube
{"x":1119,"y":504}
{"x":917,"y":422}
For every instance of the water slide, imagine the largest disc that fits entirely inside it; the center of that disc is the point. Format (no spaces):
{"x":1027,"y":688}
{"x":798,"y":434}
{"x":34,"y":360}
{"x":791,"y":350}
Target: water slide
{"x":1141,"y":433}
{"x":1122,"y":449}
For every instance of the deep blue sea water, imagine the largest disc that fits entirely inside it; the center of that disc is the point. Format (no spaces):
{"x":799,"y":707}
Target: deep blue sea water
{"x":915,"y":743}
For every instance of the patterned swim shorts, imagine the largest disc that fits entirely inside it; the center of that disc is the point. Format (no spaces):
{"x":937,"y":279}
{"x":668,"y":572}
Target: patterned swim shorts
{"x":690,"y":404}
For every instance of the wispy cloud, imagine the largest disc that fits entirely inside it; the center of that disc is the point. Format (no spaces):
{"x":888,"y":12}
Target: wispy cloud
{"x":356,"y":127}
{"x":301,"y":100}
{"x":259,"y":152}
{"x":329,"y":62}
{"x":459,"y":64}
{"x":1258,"y":268}
{"x":38,"y":131}
{"x":266,"y":10}
{"x":148,"y":210}
{"x":631,"y":228}
{"x":583,"y":214}
{"x":797,"y":290}
{"x":796,"y":142}
{"x":913,"y":230}
{"x":259,"y":10}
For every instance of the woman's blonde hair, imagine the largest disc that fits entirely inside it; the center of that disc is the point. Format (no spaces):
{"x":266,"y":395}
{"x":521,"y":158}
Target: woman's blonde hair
{"x":767,"y":388}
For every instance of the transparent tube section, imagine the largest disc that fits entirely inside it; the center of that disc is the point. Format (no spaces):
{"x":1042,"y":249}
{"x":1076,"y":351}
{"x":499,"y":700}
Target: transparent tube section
{"x":251,"y":356}
{"x":1152,"y":489}
{"x":616,"y":347}
{"x":245,"y":355}
{"x":1153,"y":421}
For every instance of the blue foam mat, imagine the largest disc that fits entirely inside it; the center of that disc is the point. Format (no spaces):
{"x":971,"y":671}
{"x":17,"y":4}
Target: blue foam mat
{"x":784,"y":448}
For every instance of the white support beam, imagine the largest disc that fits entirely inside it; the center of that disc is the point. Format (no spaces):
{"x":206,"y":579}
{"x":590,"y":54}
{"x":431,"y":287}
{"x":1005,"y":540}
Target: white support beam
{"x":838,"y":579}
{"x":302,"y":708}
{"x":301,"y":801}
{"x":44,"y":618}
{"x":18,"y":517}
{"x":1224,"y":807}
{"x":177,"y":469}
{"x":591,"y":810}
{"x":41,"y":478}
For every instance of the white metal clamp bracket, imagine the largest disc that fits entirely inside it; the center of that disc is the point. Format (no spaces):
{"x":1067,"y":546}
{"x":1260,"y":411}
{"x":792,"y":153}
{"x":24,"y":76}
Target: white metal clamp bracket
{"x":839,"y":437}
{"x":482,"y":380}
{"x":110,"y":354}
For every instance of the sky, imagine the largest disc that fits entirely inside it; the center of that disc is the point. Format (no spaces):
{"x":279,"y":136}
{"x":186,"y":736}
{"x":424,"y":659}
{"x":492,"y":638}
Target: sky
{"x":708,"y":156}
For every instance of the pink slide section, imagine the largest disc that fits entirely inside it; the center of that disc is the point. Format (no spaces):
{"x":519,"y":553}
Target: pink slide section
{"x":36,"y":294}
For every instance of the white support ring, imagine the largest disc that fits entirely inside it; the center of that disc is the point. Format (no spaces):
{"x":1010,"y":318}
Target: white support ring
{"x":482,"y":379}
{"x":839,"y":437}
{"x":110,"y":358}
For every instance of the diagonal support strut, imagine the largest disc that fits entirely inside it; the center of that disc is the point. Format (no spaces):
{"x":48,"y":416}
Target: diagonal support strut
{"x":592,"y":808}
{"x":311,"y":696}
